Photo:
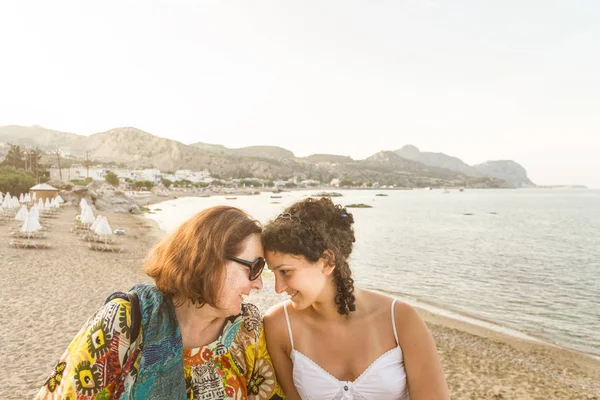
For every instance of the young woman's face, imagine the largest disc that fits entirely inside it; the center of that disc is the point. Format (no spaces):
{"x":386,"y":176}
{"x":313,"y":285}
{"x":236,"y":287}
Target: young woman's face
{"x":236,"y":284}
{"x":301,"y":279}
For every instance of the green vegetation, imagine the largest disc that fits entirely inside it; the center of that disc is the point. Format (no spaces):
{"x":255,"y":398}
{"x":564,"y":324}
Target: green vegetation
{"x":143,"y":185}
{"x":112,"y":179}
{"x":81,"y":182}
{"x":15,"y":180}
{"x":28,"y":161}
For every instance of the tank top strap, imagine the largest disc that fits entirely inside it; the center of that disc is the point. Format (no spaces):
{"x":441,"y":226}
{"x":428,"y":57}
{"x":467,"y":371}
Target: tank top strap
{"x":287,"y":319}
{"x":393,"y":323}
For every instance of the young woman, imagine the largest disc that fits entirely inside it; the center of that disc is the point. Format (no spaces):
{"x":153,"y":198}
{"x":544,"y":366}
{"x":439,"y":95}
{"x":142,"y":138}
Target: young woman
{"x":198,"y":338}
{"x":330,"y":340}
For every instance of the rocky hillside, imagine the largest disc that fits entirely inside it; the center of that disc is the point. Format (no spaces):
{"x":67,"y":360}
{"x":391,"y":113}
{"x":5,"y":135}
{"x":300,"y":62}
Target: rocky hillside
{"x":32,"y":136}
{"x":138,"y":149}
{"x":510,"y":171}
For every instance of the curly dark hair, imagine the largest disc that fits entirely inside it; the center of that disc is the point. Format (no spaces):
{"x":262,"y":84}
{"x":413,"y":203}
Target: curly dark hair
{"x":308,"y":228}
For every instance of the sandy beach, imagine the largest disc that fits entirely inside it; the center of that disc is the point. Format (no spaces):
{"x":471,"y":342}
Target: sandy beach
{"x":49,"y":294}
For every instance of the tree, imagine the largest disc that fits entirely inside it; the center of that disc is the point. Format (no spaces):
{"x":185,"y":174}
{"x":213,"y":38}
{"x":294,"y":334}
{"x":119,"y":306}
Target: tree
{"x":15,"y":180}
{"x":166,"y":182}
{"x":112,"y":178}
{"x":345,"y":182}
{"x":15,"y":157}
{"x":143,"y":185}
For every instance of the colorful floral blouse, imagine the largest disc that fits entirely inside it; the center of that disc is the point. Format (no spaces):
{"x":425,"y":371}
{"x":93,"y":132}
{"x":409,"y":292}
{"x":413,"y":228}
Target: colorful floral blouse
{"x":99,"y":362}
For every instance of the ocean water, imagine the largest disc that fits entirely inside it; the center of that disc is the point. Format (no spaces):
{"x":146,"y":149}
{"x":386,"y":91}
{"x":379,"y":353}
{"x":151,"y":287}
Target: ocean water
{"x":527,"y":260}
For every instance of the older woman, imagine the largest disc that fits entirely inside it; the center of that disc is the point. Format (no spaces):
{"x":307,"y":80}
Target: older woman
{"x":191,"y":335}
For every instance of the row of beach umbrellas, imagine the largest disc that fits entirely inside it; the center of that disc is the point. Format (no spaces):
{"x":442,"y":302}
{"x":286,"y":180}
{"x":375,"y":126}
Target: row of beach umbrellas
{"x":31,"y":217}
{"x":8,"y":201}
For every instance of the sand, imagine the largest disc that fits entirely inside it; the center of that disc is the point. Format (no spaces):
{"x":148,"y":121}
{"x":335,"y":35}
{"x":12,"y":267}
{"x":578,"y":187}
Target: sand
{"x":48,"y":295}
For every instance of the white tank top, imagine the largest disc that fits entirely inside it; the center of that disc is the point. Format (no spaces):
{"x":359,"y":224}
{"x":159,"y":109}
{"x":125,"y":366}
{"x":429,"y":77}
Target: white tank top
{"x":384,"y":379}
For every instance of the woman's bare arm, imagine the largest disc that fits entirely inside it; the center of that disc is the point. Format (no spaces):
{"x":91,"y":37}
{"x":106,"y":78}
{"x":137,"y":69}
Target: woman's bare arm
{"x":423,"y":368}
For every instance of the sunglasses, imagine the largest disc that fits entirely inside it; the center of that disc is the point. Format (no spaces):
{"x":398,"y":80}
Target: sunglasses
{"x":256,"y":266}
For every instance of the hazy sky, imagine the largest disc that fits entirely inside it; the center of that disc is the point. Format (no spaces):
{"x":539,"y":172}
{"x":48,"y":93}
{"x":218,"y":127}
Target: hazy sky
{"x":480,"y":80}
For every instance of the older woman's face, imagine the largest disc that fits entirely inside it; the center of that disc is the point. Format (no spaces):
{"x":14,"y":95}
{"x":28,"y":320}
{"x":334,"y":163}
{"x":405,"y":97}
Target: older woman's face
{"x":237,"y":284}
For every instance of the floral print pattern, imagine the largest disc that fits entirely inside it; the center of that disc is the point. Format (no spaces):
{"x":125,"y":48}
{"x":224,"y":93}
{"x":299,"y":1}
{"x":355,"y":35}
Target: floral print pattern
{"x":101,"y":360}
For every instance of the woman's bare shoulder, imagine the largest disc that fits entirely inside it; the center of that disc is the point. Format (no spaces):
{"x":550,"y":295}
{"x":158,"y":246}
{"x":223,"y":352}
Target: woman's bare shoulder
{"x":276,"y":328}
{"x":274,"y":318}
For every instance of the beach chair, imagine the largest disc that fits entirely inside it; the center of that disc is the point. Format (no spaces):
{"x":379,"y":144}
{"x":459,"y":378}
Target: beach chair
{"x":105,"y":247}
{"x":28,"y":235}
{"x":19,"y":244}
{"x":93,"y":237}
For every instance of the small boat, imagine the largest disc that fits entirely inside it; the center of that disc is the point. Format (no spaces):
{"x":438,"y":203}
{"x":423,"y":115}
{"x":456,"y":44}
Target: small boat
{"x":276,"y":196}
{"x":381,"y":194}
{"x":230,"y":197}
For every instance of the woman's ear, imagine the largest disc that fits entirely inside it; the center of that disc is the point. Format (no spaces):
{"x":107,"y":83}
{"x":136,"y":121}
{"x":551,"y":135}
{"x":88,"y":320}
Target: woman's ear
{"x":329,"y":258}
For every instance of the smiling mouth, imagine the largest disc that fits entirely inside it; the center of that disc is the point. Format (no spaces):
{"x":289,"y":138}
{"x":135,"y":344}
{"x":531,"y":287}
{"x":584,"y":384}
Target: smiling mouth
{"x":292,"y":294}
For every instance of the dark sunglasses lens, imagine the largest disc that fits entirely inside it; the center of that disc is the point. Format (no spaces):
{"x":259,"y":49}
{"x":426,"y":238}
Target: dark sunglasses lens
{"x":257,"y":268}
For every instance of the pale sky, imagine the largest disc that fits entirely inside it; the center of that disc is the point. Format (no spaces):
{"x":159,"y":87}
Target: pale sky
{"x":479,"y":80}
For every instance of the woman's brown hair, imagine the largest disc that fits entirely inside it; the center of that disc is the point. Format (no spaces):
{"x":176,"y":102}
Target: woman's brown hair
{"x":188,"y":263}
{"x":308,"y":228}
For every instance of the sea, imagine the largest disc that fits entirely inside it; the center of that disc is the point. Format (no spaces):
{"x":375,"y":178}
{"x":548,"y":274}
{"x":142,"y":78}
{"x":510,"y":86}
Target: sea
{"x":521,"y":261}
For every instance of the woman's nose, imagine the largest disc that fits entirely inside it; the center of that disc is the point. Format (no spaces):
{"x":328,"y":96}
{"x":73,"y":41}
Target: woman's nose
{"x":279,"y":285}
{"x":257,"y":284}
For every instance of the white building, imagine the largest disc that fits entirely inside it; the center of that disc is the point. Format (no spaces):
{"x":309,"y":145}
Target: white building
{"x":77,"y":173}
{"x":152,"y":174}
{"x":192,"y":176}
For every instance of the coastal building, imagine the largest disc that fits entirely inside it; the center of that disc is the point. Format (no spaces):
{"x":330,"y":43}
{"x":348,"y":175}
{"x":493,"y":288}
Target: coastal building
{"x":192,"y":176}
{"x":43,"y":191}
{"x":77,"y":173}
{"x":152,"y":174}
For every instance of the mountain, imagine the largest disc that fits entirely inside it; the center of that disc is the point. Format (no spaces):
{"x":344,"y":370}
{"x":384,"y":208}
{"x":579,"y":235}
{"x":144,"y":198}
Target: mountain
{"x":441,"y":160}
{"x":507,"y":170}
{"x":32,"y":136}
{"x":327,"y":158}
{"x":138,"y":149}
{"x":274,"y":152}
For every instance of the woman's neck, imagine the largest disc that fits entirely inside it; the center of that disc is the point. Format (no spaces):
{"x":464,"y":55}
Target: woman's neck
{"x":327,"y":308}
{"x":199,"y":326}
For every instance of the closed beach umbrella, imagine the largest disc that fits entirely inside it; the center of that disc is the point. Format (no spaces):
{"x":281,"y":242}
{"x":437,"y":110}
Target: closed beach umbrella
{"x":27,"y":198}
{"x":59,"y":199}
{"x":21,"y":198}
{"x":41,"y":204}
{"x":35,"y":211}
{"x":87,"y":216}
{"x":103,"y":229}
{"x":22,"y":214}
{"x":95,"y":223}
{"x":31,"y":225}
{"x":47,"y":203}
